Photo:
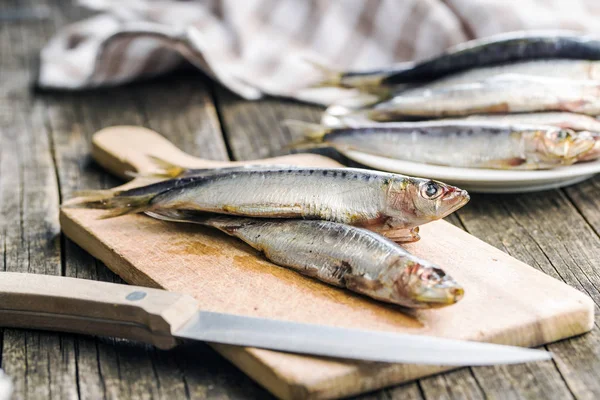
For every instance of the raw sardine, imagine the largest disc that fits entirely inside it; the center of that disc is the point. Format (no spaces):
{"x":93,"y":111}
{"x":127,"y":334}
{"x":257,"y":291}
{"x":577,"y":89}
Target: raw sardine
{"x":567,"y":120}
{"x":382,"y":202}
{"x":502,"y":94}
{"x":501,"y":49}
{"x":565,"y":69}
{"x":470,"y":144}
{"x":506,"y":48}
{"x":340,"y":255}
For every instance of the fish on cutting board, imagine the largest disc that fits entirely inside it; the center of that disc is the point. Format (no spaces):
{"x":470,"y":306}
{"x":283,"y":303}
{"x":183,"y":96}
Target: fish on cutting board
{"x":341,"y":255}
{"x":500,"y":94}
{"x":390,"y":204}
{"x":456,"y":143}
{"x":510,"y":48}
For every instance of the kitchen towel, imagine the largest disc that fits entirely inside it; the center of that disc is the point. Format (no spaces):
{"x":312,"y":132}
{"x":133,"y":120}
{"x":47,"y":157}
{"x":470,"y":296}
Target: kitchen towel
{"x":258,"y":47}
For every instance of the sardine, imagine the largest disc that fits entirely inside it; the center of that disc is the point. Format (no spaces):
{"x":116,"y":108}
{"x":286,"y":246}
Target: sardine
{"x":338,"y":254}
{"x":379,"y":201}
{"x":513,"y":47}
{"x":567,"y":120}
{"x":565,"y":69}
{"x":502,"y":94}
{"x":471,"y":144}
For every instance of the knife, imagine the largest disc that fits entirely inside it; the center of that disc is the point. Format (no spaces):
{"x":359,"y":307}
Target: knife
{"x":160,"y":317}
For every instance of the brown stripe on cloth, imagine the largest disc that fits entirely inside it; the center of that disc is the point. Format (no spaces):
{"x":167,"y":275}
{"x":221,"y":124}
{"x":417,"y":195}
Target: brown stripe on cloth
{"x":315,"y":10}
{"x":404,"y":49}
{"x":271,"y":62}
{"x":152,"y":64}
{"x":466,"y":27}
{"x":362,"y":34}
{"x":110,"y":58}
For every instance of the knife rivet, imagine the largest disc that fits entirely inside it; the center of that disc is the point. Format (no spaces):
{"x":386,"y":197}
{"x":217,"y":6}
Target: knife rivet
{"x":135,"y":296}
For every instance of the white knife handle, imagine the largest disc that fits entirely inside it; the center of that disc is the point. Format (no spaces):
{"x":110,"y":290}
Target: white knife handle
{"x":58,"y":303}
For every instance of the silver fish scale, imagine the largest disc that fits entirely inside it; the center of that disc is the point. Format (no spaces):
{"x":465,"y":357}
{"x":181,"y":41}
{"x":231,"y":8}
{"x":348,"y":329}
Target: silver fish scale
{"x":319,"y":248}
{"x":510,"y":93}
{"x":461,"y":146}
{"x":311,"y":193}
{"x":571,"y":69}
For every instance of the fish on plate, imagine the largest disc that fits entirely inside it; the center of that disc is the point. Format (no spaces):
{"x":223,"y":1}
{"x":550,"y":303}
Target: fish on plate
{"x":500,"y":94}
{"x":505,"y":48}
{"x":457,"y":143}
{"x":391,"y":204}
{"x":576,"y":122}
{"x":579,"y":70}
{"x":339,"y":254}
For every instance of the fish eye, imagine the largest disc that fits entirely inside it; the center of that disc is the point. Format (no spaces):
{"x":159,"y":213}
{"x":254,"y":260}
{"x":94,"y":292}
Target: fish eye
{"x":562,"y":134}
{"x":431,"y":190}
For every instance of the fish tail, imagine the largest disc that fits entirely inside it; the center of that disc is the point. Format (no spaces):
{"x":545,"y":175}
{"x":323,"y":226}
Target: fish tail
{"x":331,"y":77}
{"x":314,"y":134}
{"x":227,"y":224}
{"x":112,"y":200}
{"x":168,"y":169}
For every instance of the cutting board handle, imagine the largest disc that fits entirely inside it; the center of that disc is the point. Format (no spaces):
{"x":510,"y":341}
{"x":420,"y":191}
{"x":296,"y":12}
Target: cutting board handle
{"x":125,"y":149}
{"x":58,"y":303}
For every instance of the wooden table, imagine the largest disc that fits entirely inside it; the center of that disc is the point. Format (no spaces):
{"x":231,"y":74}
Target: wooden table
{"x":44,"y":158}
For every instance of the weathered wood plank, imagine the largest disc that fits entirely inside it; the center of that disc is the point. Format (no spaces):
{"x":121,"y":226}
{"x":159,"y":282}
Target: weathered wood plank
{"x":37,"y":130}
{"x":179,"y":108}
{"x":585,"y":198}
{"x":29,"y":207}
{"x":546,"y":231}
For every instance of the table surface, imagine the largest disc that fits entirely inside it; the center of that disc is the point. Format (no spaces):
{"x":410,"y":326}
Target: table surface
{"x":44,"y":157}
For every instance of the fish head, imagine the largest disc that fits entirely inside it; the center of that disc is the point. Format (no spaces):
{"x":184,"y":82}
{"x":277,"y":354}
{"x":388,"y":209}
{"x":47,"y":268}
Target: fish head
{"x":424,"y":200}
{"x":425,"y":286}
{"x":594,"y":152}
{"x":563,"y":146}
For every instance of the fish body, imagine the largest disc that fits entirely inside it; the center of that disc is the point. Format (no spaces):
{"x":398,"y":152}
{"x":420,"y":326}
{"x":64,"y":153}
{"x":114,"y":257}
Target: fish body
{"x":565,"y":69}
{"x":567,"y":120}
{"x":501,"y":49}
{"x":502,"y":94}
{"x":338,"y":254}
{"x":510,"y":52}
{"x":464,"y":143}
{"x":383,"y":202}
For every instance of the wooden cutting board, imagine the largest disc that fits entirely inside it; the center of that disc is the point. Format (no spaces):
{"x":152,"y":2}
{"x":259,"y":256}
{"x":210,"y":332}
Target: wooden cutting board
{"x":506,"y":301}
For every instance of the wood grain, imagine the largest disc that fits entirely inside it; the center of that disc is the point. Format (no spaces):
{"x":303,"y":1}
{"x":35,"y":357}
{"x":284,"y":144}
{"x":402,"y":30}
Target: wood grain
{"x":44,"y":155}
{"x":61,"y":366}
{"x":225,"y":275}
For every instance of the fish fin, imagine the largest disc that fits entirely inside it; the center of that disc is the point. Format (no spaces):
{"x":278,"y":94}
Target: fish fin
{"x":331,"y":77}
{"x":403,"y":235}
{"x":361,"y":284}
{"x":113,"y":201}
{"x":313,"y":134}
{"x":169,"y":169}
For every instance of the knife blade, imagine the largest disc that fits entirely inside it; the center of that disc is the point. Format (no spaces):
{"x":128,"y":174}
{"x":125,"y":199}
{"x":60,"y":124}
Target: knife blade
{"x":350,"y":343}
{"x":159,"y":317}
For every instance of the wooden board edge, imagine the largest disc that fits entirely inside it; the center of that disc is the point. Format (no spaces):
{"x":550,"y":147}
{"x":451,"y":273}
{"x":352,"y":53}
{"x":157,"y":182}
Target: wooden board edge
{"x":388,"y":375}
{"x":98,"y":249}
{"x":266,"y":376}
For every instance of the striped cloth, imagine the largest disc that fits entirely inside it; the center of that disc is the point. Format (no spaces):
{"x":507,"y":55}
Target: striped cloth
{"x":257,"y":47}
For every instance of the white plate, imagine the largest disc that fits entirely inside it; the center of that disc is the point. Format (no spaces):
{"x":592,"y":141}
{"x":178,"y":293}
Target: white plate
{"x":484,"y":180}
